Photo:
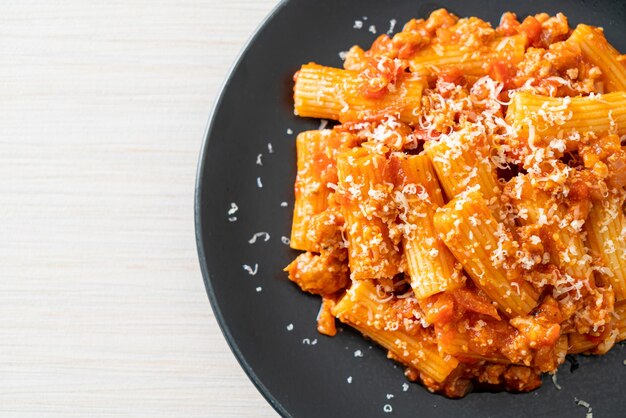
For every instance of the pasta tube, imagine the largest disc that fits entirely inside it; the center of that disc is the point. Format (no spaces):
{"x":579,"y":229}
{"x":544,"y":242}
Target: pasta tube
{"x":461,"y":347}
{"x":473,"y":62}
{"x":539,"y":116}
{"x":566,"y":247}
{"x":316,"y":160}
{"x":462,"y":162}
{"x":431,"y":266}
{"x":482,"y":245}
{"x":360,"y":308}
{"x":606,"y":236}
{"x":365,"y":194}
{"x":333,"y":93}
{"x":597,"y":50}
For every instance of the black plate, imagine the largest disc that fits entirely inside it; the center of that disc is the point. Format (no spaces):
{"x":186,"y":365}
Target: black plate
{"x":254,"y":109}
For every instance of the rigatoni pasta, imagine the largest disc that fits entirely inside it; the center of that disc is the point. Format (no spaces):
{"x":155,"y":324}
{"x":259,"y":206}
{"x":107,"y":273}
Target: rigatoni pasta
{"x":600,"y":52}
{"x":317,"y":169}
{"x":363,"y":192}
{"x":606,"y":235}
{"x":363,"y":309}
{"x":430,"y":265}
{"x":466,"y":213}
{"x":462,"y":162}
{"x":332,"y":93}
{"x":536,"y":116}
{"x":484,"y":247}
{"x":474,"y":62}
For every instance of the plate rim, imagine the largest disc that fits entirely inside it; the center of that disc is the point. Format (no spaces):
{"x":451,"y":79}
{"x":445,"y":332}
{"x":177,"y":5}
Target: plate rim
{"x":200,"y":223}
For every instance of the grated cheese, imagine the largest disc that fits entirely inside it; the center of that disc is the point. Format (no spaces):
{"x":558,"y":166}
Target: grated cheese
{"x":257,"y":235}
{"x":251,"y":271}
{"x":582,"y":403}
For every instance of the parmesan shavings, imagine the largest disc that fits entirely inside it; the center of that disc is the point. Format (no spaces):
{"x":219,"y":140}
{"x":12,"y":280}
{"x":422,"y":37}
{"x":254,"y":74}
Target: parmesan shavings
{"x":264,"y":235}
{"x":231,"y":211}
{"x":251,"y":271}
{"x":566,"y":284}
{"x":584,"y":404}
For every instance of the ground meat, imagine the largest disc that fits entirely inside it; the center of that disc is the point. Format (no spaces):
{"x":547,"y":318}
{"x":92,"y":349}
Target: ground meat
{"x":325,"y":319}
{"x":521,"y":379}
{"x":319,"y":274}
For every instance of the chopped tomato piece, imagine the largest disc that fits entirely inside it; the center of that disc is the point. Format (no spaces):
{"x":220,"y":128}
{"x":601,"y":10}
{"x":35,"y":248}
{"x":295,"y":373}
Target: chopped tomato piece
{"x":475,"y":302}
{"x":532,"y":28}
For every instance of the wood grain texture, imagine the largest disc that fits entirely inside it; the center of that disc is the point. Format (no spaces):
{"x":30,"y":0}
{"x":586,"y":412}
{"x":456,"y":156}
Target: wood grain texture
{"x":102,"y":111}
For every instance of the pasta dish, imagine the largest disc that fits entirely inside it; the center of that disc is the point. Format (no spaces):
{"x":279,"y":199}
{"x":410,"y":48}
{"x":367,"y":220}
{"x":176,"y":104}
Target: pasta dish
{"x":466,"y":210}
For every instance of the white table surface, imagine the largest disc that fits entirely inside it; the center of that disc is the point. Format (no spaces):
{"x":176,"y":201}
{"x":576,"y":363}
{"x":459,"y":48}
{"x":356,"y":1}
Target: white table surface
{"x":102,"y":307}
